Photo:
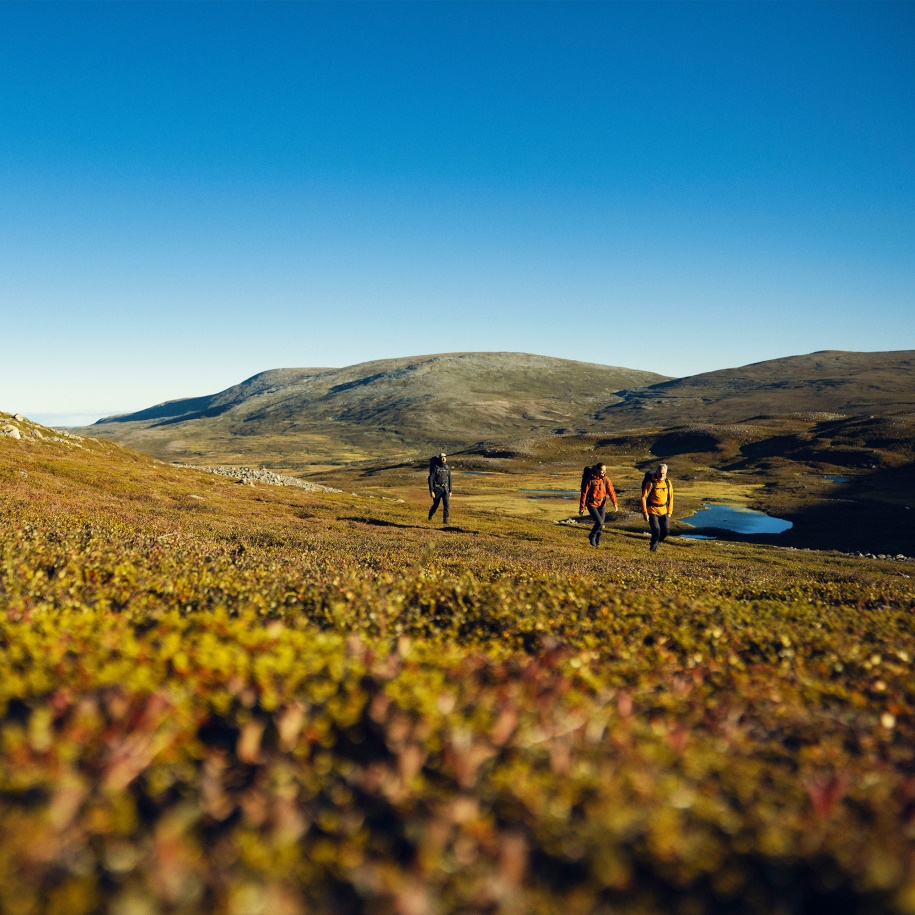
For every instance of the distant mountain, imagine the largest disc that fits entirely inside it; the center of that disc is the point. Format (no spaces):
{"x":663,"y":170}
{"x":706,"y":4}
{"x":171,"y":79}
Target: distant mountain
{"x":309,"y":416}
{"x":831,"y":381}
{"x":302,"y":418}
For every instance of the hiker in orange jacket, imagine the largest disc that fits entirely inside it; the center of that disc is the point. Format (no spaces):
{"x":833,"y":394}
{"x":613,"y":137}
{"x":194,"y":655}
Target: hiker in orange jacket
{"x":596,"y":488}
{"x":657,"y":504}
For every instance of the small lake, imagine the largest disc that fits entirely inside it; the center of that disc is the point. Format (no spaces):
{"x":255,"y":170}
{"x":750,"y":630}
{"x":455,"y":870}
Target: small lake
{"x":833,"y":478}
{"x":738,"y":519}
{"x":569,"y":494}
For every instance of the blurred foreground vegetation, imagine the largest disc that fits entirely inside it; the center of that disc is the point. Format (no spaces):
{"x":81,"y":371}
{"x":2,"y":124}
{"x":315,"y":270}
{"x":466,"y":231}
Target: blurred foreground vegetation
{"x":218,"y":698}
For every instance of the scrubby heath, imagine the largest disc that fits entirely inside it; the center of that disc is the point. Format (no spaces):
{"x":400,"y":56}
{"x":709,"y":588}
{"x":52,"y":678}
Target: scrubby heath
{"x":248,"y":699}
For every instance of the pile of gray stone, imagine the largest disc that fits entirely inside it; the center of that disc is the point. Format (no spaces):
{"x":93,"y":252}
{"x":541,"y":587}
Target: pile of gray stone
{"x":251,"y":475}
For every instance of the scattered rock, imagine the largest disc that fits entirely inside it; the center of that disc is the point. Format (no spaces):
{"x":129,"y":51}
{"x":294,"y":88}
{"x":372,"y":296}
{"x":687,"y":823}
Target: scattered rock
{"x":250,"y":476}
{"x":19,"y":417}
{"x":63,"y":441}
{"x":10,"y":431}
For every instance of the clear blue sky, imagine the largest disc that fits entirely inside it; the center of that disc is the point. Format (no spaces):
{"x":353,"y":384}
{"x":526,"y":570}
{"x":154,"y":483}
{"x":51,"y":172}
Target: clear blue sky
{"x":194,"y":192}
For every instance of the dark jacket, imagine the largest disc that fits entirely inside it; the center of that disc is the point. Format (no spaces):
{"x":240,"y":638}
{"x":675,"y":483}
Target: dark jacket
{"x":439,"y":477}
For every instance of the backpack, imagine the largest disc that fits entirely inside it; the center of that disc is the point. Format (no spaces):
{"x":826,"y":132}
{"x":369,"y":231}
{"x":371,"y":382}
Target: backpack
{"x":586,"y":476}
{"x":438,"y":472}
{"x":650,"y":478}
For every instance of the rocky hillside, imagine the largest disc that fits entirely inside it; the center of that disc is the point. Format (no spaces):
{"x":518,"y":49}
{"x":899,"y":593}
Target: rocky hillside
{"x":299,"y":417}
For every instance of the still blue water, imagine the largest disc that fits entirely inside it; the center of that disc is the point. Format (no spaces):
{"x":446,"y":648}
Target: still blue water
{"x":737,"y":519}
{"x":833,"y":478}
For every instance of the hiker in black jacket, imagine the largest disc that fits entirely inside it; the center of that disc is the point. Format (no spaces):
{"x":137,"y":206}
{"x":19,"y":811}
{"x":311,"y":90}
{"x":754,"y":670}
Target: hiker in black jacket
{"x":440,"y":486}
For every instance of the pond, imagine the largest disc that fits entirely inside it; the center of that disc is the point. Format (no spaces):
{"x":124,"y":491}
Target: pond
{"x":569,"y":494}
{"x":835,"y":478}
{"x":736,"y":518}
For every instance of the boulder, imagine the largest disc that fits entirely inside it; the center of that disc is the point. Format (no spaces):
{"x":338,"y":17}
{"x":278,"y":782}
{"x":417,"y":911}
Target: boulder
{"x":11,"y":431}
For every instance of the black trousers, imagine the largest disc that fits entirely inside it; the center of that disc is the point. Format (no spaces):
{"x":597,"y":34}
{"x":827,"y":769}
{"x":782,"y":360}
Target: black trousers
{"x":444,"y":497}
{"x":598,"y":514}
{"x":660,"y":528}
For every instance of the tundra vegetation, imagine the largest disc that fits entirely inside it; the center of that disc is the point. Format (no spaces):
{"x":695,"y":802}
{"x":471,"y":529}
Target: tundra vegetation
{"x":225,"y":698}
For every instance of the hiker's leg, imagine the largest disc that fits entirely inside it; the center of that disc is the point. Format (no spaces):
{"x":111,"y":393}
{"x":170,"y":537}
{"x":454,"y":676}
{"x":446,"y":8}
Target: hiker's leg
{"x":598,"y":517}
{"x":446,"y":506}
{"x":665,"y":527}
{"x":598,"y":514}
{"x":437,"y":498}
{"x":655,"y":526}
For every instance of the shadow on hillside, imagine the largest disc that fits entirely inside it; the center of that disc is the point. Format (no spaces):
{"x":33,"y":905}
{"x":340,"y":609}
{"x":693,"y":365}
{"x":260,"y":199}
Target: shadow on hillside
{"x":873,"y":513}
{"x":380,"y":522}
{"x":676,"y":442}
{"x":176,"y":411}
{"x":377,"y":469}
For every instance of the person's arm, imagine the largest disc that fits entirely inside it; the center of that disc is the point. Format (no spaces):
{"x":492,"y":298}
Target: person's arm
{"x":581,"y":501}
{"x":449,"y":481}
{"x":646,"y":488}
{"x":431,"y":471}
{"x":670,"y":498}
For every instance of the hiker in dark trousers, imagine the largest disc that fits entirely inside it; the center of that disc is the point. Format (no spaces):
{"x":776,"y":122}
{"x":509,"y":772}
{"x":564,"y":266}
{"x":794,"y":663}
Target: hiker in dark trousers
{"x":657,"y":504}
{"x":596,"y":488}
{"x":440,"y":486}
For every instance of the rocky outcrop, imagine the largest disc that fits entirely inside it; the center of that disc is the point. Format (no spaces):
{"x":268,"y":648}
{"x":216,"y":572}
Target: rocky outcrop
{"x":19,"y":427}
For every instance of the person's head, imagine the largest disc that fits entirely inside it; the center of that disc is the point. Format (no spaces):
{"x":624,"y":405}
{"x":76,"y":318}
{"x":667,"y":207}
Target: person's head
{"x":443,"y":458}
{"x":661,"y":472}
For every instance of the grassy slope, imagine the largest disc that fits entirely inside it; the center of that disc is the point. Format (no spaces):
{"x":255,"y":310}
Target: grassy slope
{"x":237,"y":699}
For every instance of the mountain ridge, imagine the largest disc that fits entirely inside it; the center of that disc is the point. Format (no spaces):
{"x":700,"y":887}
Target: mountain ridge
{"x":826,"y":381}
{"x":298,"y":417}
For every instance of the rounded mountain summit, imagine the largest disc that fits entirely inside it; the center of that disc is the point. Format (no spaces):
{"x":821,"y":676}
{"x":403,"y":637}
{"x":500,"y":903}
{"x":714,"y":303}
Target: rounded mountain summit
{"x":389,"y":407}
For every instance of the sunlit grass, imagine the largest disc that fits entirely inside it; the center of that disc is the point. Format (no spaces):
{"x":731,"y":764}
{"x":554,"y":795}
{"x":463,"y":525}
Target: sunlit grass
{"x":224,"y":698}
